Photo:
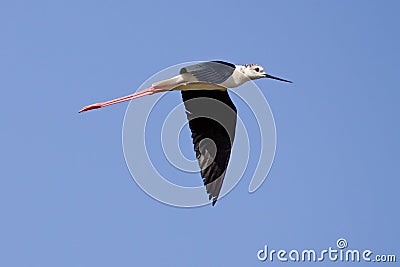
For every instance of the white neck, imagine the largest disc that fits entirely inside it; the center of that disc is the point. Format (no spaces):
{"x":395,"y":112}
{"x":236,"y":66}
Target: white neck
{"x":238,"y":78}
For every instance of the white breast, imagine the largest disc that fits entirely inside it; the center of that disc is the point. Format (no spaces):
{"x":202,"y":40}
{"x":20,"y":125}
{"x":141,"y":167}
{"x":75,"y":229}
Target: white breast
{"x":237,"y":79}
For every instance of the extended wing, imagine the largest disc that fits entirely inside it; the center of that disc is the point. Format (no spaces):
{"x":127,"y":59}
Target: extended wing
{"x":212,"y":121}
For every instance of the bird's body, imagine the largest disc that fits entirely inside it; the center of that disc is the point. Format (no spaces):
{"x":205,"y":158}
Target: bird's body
{"x":209,"y":109}
{"x":223,"y":74}
{"x":214,"y":73}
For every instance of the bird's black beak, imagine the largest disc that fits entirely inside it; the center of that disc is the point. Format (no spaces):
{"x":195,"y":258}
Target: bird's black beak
{"x":276,"y":78}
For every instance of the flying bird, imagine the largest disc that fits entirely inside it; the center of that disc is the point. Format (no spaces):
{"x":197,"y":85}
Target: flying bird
{"x":210,"y":111}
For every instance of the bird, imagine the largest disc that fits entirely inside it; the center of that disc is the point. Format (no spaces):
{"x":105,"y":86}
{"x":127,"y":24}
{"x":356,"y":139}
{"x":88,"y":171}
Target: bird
{"x":210,"y":111}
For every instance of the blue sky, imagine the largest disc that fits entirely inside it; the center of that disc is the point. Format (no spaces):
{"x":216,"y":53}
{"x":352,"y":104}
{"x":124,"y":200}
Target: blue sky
{"x":66,"y":195}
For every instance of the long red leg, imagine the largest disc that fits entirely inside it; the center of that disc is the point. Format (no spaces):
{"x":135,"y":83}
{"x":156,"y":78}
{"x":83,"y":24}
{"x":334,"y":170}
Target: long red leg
{"x":148,"y":91}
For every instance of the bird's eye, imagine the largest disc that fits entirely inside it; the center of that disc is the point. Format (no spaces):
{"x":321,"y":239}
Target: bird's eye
{"x":257,"y":69}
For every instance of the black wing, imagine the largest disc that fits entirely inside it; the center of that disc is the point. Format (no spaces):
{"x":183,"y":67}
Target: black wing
{"x":212,"y":121}
{"x":215,"y":72}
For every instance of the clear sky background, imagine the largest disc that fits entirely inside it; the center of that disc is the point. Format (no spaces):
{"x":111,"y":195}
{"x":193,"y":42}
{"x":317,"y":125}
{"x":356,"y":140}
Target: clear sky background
{"x":66,"y":195}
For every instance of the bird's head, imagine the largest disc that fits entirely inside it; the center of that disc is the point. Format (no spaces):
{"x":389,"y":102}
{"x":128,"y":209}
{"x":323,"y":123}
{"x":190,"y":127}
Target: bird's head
{"x":255,"y":71}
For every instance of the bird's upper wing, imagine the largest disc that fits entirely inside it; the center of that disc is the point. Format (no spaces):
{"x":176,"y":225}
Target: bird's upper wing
{"x":212,"y":121}
{"x":215,"y":72}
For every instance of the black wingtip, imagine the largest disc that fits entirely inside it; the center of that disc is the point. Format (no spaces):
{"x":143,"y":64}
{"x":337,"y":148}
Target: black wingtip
{"x":214,"y":201}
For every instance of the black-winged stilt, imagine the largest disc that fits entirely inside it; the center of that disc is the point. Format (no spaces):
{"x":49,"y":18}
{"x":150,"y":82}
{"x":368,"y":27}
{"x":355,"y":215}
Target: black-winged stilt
{"x":211,"y":113}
